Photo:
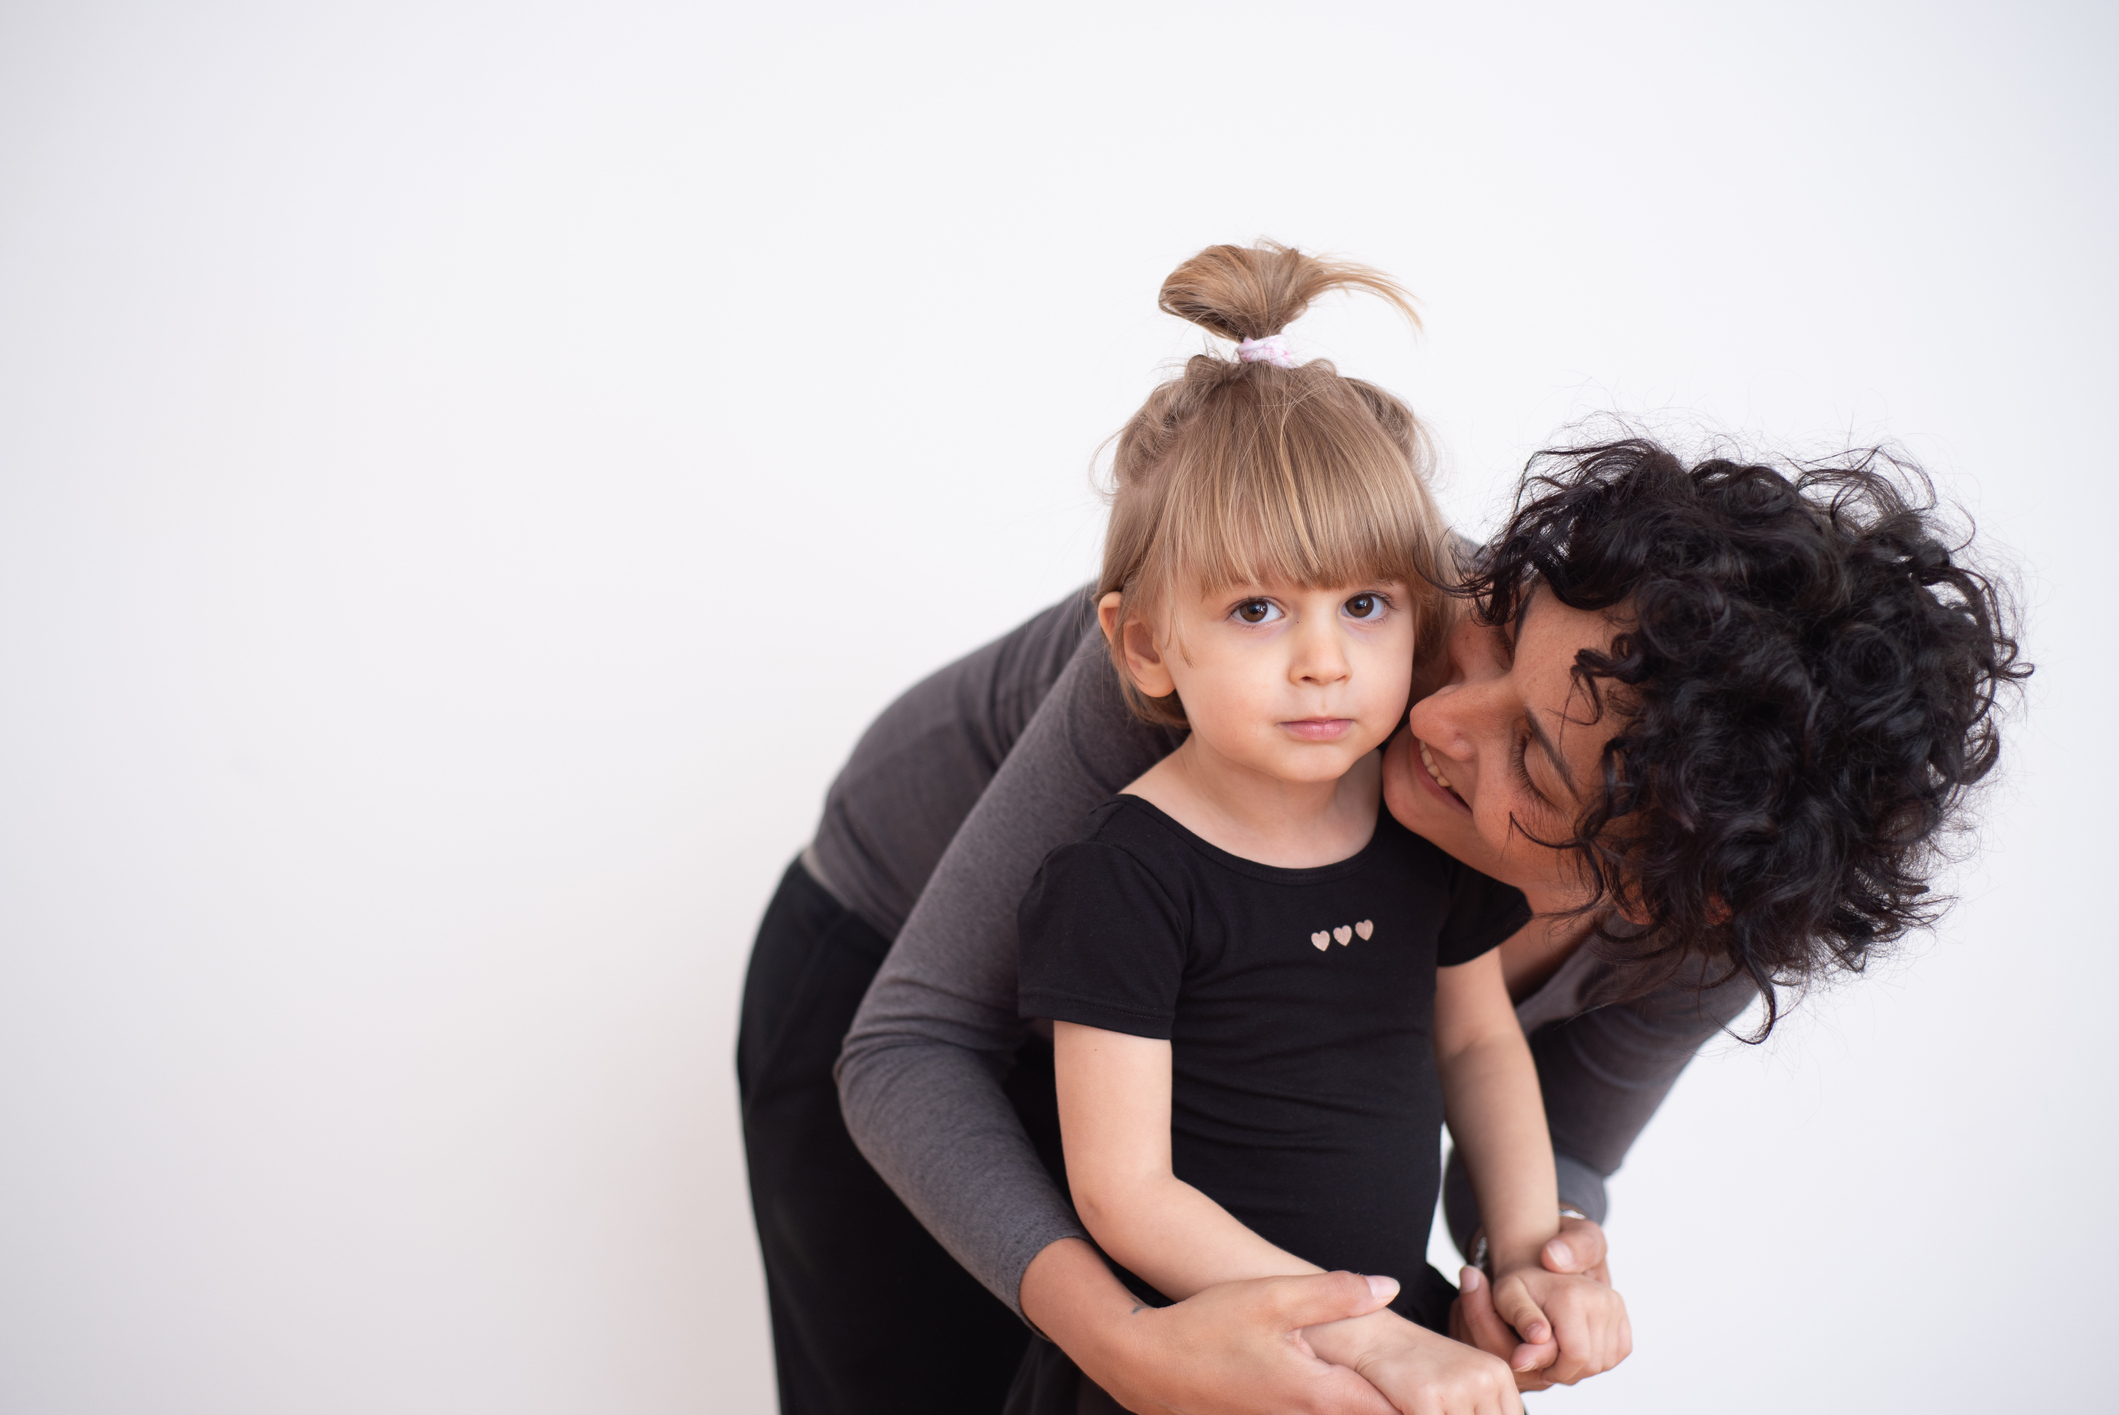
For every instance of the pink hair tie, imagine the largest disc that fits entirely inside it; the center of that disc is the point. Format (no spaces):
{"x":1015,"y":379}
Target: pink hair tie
{"x":1273,"y":349}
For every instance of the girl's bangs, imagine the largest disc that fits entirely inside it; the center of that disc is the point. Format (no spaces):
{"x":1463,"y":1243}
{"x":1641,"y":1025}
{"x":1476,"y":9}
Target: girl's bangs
{"x":1316,"y":527}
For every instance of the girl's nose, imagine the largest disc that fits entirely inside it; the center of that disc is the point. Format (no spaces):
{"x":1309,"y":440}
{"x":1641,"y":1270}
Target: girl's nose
{"x":1319,"y":656}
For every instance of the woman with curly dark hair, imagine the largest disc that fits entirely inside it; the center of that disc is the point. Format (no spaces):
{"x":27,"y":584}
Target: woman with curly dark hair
{"x":1714,"y":720}
{"x":1739,"y":704}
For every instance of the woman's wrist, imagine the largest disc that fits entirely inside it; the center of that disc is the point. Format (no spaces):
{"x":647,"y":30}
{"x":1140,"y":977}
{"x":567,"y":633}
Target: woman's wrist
{"x":1071,"y":1296}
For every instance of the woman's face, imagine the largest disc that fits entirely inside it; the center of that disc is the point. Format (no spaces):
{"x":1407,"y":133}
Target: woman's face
{"x":1511,"y":745}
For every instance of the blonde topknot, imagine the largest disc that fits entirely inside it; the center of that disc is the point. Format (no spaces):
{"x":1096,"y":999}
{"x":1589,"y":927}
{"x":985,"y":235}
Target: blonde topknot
{"x":1254,"y":292}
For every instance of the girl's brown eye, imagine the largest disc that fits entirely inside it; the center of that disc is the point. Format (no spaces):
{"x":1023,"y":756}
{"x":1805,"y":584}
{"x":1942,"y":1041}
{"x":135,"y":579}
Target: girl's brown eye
{"x":1253,"y":611}
{"x":1362,"y":606}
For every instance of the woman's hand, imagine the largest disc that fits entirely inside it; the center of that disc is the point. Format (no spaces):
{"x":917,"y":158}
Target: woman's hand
{"x":1234,"y":1349}
{"x":1578,"y":1248}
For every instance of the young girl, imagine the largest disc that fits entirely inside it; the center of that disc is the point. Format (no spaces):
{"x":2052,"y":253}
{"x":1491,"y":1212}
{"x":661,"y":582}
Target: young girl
{"x":1266,"y":994}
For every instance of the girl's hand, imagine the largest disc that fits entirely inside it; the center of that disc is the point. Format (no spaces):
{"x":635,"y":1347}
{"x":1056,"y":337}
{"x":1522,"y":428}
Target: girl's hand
{"x":1578,"y":1249}
{"x":1588,"y":1319}
{"x":1581,"y":1323}
{"x":1421,"y":1373}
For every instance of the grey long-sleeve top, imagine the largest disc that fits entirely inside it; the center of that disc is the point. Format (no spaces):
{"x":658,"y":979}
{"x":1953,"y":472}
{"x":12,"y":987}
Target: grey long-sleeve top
{"x":922,"y":1071}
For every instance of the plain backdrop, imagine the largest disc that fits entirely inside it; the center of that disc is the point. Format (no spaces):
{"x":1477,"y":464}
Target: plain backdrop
{"x":468,"y":472}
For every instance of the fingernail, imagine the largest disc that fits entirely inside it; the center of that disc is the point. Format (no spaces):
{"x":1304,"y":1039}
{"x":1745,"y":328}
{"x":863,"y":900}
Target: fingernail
{"x":1384,"y":1287}
{"x":1537,"y":1334}
{"x":1470,"y":1279}
{"x":1561,"y":1253}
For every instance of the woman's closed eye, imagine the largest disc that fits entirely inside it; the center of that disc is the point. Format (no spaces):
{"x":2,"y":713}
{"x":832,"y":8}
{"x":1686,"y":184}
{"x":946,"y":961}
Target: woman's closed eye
{"x":1519,"y":767}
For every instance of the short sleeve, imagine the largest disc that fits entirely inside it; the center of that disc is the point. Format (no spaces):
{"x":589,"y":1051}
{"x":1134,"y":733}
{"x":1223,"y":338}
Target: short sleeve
{"x":1482,"y":913}
{"x":1102,"y":943}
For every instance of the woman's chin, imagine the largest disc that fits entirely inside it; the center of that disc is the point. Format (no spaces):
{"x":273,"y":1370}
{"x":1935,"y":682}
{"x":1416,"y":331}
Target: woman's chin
{"x":1416,"y":803}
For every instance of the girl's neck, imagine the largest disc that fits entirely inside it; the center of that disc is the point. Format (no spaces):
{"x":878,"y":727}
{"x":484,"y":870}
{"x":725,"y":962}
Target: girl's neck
{"x":1290,"y":824}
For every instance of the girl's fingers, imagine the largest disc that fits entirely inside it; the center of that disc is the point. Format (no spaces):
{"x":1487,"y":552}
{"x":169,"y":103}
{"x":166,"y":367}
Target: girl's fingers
{"x":1512,"y":1300}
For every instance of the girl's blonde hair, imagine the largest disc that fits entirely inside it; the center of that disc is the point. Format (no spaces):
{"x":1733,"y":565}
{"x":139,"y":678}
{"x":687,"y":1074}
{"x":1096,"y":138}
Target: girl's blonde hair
{"x":1243,"y":473}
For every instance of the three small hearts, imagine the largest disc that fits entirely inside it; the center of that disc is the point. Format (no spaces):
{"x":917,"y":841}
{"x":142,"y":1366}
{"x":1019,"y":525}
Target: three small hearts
{"x":1323,"y":937}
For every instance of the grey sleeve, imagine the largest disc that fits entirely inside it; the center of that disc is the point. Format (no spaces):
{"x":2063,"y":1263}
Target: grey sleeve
{"x":921,"y":1073}
{"x":1603,"y":1074}
{"x":928,"y":757}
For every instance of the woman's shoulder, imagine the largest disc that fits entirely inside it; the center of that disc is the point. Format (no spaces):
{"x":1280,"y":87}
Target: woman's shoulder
{"x":1681,"y":995}
{"x":925,"y":760}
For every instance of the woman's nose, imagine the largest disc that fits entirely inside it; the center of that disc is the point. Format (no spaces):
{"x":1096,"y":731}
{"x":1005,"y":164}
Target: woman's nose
{"x":1448,"y":719}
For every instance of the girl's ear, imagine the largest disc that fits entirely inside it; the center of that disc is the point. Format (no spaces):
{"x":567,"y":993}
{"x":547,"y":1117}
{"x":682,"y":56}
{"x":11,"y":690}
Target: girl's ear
{"x":1107,"y":610}
{"x":1134,"y":643}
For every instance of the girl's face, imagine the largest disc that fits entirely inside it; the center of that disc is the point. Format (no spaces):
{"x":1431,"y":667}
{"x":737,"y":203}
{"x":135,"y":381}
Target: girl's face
{"x":1511,"y":745}
{"x":1294,"y":684}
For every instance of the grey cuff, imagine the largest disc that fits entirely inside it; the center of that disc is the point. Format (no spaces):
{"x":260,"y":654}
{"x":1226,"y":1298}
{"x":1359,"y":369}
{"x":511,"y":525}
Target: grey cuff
{"x":1580,"y":1188}
{"x":1023,"y":1250}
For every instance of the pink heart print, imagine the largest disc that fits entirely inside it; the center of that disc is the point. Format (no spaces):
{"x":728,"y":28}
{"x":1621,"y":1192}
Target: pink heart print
{"x":1322,"y":939}
{"x":1342,"y":933}
{"x":1366,"y":928}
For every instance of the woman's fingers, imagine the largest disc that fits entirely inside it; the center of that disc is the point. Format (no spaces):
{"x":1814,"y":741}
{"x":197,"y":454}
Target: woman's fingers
{"x":1474,"y":1313}
{"x":1578,"y":1248}
{"x":1474,"y":1322}
{"x":1327,"y":1297}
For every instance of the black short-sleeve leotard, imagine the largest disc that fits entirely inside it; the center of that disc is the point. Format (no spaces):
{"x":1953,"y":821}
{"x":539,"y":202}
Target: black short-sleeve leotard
{"x":1299,"y":1005}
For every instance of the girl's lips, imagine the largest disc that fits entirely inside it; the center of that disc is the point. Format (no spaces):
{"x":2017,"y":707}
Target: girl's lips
{"x":1320,"y":729}
{"x":1431,"y":777}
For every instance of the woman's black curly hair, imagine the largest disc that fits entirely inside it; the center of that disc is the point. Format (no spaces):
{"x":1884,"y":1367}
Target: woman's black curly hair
{"x":1807,"y":674}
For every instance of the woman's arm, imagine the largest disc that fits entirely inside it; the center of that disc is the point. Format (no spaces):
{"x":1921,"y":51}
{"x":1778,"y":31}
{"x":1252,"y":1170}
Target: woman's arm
{"x":921,"y":1073}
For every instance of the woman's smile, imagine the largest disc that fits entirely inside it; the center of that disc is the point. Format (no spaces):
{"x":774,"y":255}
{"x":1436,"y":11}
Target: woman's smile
{"x":1437,"y":782}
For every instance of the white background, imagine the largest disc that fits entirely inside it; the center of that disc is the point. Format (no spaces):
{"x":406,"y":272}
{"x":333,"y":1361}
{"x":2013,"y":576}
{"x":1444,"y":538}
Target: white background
{"x":468,"y":473}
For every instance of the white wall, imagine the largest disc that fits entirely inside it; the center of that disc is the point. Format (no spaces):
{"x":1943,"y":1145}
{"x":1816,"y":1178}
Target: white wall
{"x":467,"y":473}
